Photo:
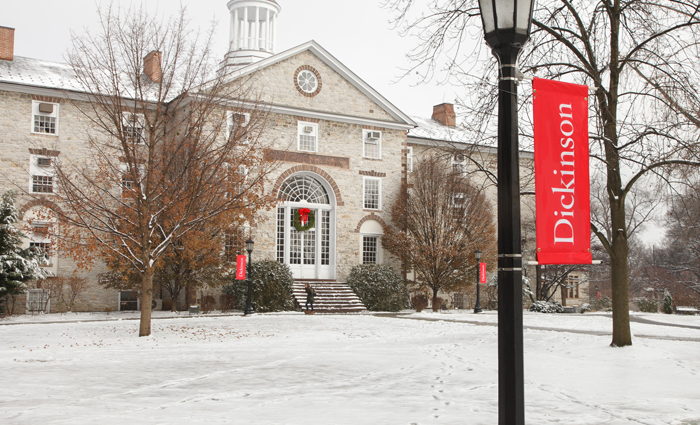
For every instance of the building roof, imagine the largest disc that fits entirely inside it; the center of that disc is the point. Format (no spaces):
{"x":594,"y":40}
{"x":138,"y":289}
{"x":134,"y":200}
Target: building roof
{"x":38,"y":73}
{"x":315,"y":48}
{"x":431,"y":132}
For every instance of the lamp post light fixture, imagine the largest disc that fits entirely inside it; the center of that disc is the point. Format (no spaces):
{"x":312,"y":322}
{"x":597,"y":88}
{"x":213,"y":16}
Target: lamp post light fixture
{"x":477,"y":306}
{"x":506,"y":29}
{"x":249,"y":298}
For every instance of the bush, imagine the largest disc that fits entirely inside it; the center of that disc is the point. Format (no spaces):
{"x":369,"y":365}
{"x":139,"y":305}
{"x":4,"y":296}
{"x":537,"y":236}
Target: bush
{"x":227,"y":302}
{"x":648,"y":305}
{"x":603,"y":304}
{"x":208,"y":303}
{"x":546,"y":307}
{"x":420,"y":302}
{"x":379,"y":287}
{"x":584,"y":308}
{"x":668,"y":302}
{"x":271,"y":287}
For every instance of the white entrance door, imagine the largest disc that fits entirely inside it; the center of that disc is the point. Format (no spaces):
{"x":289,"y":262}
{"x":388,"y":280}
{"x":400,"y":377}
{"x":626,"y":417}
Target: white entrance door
{"x":308,"y":253}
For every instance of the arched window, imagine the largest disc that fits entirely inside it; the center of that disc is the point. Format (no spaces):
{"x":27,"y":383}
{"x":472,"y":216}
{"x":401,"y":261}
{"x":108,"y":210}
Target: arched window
{"x":304,"y":188}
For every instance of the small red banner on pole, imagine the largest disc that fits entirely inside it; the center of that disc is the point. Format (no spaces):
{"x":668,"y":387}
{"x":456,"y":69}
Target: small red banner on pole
{"x":482,"y":272}
{"x":562,"y":188}
{"x":240,"y":267}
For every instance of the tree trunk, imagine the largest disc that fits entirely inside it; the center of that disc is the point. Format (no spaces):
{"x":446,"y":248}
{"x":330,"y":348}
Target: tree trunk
{"x":619,"y":274}
{"x":146,"y":297}
{"x":436,"y":307}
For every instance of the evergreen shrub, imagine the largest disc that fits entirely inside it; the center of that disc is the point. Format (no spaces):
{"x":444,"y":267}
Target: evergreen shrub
{"x":379,"y":287}
{"x":648,"y":305}
{"x":546,"y":307}
{"x":584,"y":308}
{"x":271,"y":287}
{"x":668,"y":302}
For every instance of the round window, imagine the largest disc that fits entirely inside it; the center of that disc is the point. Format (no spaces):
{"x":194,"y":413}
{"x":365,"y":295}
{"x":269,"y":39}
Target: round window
{"x":308,"y":81}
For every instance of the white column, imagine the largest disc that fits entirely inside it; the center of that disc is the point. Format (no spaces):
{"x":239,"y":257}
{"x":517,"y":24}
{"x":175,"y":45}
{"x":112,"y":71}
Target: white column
{"x":267,"y":38}
{"x":273,"y":33}
{"x":256,"y":46}
{"x":246,"y":25}
{"x":234,"y":30}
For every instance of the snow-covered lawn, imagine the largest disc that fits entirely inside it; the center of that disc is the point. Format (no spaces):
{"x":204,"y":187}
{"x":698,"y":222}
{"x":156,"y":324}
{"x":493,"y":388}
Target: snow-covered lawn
{"x":360,"y":369}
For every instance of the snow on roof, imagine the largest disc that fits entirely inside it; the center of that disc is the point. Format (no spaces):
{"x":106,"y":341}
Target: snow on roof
{"x":38,"y":73}
{"x":431,"y":129}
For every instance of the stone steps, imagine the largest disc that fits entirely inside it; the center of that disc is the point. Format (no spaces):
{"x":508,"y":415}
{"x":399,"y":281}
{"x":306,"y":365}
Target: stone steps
{"x":331,"y":296}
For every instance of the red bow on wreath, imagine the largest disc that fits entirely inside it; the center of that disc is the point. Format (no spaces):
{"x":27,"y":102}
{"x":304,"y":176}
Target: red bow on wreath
{"x":304,"y":215}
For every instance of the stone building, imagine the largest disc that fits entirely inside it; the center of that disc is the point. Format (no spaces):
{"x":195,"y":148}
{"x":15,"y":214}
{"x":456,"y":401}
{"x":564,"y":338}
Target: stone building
{"x":344,"y":151}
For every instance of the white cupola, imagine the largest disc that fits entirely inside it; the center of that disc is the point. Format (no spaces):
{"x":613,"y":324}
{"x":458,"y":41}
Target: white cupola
{"x":252,"y":31}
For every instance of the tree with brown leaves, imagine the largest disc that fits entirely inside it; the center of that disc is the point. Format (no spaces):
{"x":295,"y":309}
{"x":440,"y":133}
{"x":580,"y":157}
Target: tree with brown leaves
{"x":440,"y":221}
{"x":172,"y":145}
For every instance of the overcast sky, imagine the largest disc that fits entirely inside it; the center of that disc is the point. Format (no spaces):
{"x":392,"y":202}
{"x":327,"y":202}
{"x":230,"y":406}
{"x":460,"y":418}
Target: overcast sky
{"x":356,"y":32}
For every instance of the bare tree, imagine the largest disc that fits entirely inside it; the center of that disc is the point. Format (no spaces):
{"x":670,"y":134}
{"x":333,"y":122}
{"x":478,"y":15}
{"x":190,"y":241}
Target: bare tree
{"x":440,"y":221}
{"x":631,"y":54}
{"x":171,"y":144}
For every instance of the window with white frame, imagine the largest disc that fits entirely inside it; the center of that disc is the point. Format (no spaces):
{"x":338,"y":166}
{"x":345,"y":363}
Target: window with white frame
{"x":372,"y":144}
{"x":307,"y":134}
{"x":44,"y":117}
{"x":236,"y":123}
{"x":44,"y":247}
{"x":40,"y":239}
{"x":242,"y":178}
{"x":42,"y":174}
{"x":458,"y":205}
{"x":133,"y":127}
{"x":128,"y":179}
{"x":38,"y":300}
{"x":409,"y":159}
{"x":230,"y":248}
{"x":370,"y":249}
{"x":459,"y":164}
{"x":372,"y":191}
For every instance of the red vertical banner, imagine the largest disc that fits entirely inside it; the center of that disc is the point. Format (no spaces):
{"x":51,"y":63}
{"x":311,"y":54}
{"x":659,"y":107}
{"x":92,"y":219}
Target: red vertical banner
{"x":240,"y":267}
{"x":482,"y":272}
{"x":562,"y":188}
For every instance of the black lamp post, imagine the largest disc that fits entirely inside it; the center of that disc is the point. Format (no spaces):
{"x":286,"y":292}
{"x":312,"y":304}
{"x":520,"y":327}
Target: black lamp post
{"x":506,"y":29}
{"x":477,"y":306}
{"x":249,"y":298}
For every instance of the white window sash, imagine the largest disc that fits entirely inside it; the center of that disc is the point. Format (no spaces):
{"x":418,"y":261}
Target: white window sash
{"x":38,"y":115}
{"x":313,"y":136}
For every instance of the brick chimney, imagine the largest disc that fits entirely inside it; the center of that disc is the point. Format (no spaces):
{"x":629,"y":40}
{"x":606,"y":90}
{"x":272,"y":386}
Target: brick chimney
{"x":445,"y":113}
{"x":7,"y":43}
{"x":152,"y":67}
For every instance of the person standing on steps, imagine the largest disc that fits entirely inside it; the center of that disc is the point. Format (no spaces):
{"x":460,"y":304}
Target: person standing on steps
{"x":310,"y":295}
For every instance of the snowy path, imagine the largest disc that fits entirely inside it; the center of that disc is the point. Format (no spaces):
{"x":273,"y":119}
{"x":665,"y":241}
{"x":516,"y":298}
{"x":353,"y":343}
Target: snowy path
{"x":296,"y":369}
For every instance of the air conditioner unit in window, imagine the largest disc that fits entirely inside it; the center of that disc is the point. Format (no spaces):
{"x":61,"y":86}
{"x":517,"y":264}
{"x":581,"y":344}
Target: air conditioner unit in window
{"x":43,"y":162}
{"x":373,"y":135}
{"x":308,"y":129}
{"x":46,"y":108}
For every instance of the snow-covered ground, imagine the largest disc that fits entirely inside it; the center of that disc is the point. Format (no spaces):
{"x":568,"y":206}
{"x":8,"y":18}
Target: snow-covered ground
{"x":361,"y":369}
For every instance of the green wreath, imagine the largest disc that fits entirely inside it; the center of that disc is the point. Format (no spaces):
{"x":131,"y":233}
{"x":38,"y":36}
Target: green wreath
{"x":309,"y":223}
